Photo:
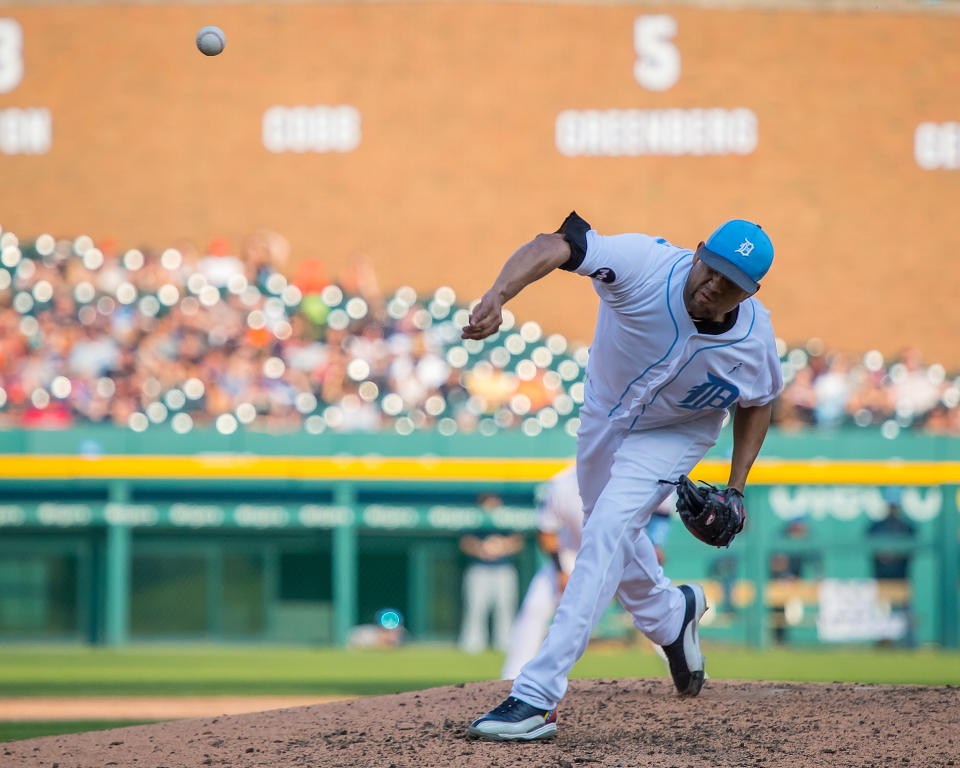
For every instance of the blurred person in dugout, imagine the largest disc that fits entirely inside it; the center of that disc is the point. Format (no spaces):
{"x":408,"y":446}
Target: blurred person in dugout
{"x":559,"y":520}
{"x":791,"y":566}
{"x":889,"y":566}
{"x":490,"y":584}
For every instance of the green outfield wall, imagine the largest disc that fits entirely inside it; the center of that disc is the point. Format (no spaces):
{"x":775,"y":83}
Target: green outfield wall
{"x":109,"y":536}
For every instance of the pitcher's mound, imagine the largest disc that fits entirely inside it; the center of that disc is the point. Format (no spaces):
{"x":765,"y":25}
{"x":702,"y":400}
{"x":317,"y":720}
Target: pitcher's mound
{"x":626,"y":723}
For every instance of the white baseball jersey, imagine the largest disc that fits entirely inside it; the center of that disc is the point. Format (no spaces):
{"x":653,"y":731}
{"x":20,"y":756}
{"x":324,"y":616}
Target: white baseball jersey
{"x":650,"y":365}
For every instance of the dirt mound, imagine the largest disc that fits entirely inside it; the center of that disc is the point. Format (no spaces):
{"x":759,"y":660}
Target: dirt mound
{"x":629,"y":722}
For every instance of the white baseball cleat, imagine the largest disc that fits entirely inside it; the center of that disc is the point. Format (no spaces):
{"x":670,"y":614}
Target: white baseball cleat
{"x":683,"y":654}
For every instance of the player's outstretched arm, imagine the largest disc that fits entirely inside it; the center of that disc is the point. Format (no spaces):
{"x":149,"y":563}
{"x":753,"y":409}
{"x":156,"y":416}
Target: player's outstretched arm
{"x":528,"y":264}
{"x":749,"y":430}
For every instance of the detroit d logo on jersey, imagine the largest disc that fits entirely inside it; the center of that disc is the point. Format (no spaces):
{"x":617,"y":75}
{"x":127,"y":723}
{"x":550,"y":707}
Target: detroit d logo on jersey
{"x":713,"y":393}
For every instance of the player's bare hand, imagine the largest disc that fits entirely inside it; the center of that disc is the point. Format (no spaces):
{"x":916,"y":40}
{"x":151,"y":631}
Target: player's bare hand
{"x":485,"y":319}
{"x":562,"y":578}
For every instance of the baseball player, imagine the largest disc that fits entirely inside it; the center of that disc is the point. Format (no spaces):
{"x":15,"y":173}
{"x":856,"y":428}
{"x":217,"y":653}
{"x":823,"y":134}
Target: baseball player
{"x":559,"y":519}
{"x":679,"y":339}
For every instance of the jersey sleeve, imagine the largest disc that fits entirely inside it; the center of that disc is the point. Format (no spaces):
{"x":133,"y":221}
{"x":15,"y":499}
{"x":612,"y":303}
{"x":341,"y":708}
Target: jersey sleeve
{"x":616,"y":263}
{"x":769,"y":379}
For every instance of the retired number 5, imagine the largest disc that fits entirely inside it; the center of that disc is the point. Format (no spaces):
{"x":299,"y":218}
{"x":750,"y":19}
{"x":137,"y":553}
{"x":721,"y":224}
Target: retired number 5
{"x":657,"y":67}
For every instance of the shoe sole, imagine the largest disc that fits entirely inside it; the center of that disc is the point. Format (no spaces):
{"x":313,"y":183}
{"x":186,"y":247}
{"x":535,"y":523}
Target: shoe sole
{"x":546,"y":731}
{"x":693,"y":651}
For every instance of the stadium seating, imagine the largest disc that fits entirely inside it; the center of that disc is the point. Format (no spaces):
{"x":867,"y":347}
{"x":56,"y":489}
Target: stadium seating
{"x":184,"y":339}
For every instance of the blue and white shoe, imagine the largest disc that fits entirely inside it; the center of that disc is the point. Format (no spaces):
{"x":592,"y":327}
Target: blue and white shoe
{"x":683,"y":654}
{"x":515,"y":720}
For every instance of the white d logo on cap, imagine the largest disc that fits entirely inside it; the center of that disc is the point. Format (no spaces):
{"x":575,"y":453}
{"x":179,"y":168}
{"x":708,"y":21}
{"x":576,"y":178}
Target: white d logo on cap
{"x":745,"y":247}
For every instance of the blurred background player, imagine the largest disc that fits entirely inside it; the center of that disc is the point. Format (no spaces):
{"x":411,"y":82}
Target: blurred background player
{"x":792,"y":566}
{"x":559,"y":519}
{"x":659,"y":526}
{"x":893,"y":566}
{"x":490,"y":585}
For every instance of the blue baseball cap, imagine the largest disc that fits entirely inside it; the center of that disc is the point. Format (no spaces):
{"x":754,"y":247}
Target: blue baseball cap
{"x":740,"y":251}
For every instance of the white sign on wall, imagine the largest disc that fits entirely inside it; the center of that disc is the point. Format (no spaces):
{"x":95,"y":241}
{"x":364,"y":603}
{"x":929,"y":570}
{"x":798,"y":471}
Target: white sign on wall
{"x":850,"y":611}
{"x":850,"y":502}
{"x":311,"y":128}
{"x":671,"y":132}
{"x":25,"y":130}
{"x":635,"y":132}
{"x":937,"y":146}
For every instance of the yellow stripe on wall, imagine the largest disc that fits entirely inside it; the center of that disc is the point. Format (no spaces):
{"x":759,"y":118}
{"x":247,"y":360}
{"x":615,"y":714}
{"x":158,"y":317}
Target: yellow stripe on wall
{"x":446,"y":469}
{"x":280,"y":467}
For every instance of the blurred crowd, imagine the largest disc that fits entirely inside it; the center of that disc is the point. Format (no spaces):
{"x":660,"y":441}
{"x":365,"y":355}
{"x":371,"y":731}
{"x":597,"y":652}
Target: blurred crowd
{"x":830,"y":389}
{"x":90,"y":334}
{"x":244,"y":339}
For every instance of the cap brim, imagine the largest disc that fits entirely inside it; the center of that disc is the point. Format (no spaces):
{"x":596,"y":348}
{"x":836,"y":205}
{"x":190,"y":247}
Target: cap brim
{"x":729,"y":270}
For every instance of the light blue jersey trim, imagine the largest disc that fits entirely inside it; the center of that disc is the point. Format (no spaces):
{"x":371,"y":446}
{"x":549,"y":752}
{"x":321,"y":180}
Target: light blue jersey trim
{"x":676,"y":335}
{"x":753,"y":319}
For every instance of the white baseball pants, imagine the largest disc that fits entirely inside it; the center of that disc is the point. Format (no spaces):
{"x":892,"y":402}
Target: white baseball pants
{"x":617,"y":471}
{"x":488,"y":589}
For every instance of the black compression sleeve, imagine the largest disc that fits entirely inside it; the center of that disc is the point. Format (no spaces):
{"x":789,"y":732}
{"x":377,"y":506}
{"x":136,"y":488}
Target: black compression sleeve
{"x":574,"y":230}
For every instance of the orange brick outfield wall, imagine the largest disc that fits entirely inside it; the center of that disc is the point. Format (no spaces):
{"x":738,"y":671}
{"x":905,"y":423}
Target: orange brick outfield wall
{"x":457,"y":161}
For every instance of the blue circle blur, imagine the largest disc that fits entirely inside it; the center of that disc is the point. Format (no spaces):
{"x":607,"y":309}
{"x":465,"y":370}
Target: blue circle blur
{"x":389,"y":618}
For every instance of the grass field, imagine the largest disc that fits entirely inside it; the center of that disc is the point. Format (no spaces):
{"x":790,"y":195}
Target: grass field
{"x":15,"y":731}
{"x":194,"y":671}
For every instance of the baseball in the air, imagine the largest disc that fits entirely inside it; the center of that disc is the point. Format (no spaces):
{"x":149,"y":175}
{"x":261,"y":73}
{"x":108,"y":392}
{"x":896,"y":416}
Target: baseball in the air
{"x":211,"y":40}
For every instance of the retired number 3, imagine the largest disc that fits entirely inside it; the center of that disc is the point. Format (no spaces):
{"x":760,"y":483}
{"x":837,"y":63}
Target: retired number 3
{"x":11,"y":55}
